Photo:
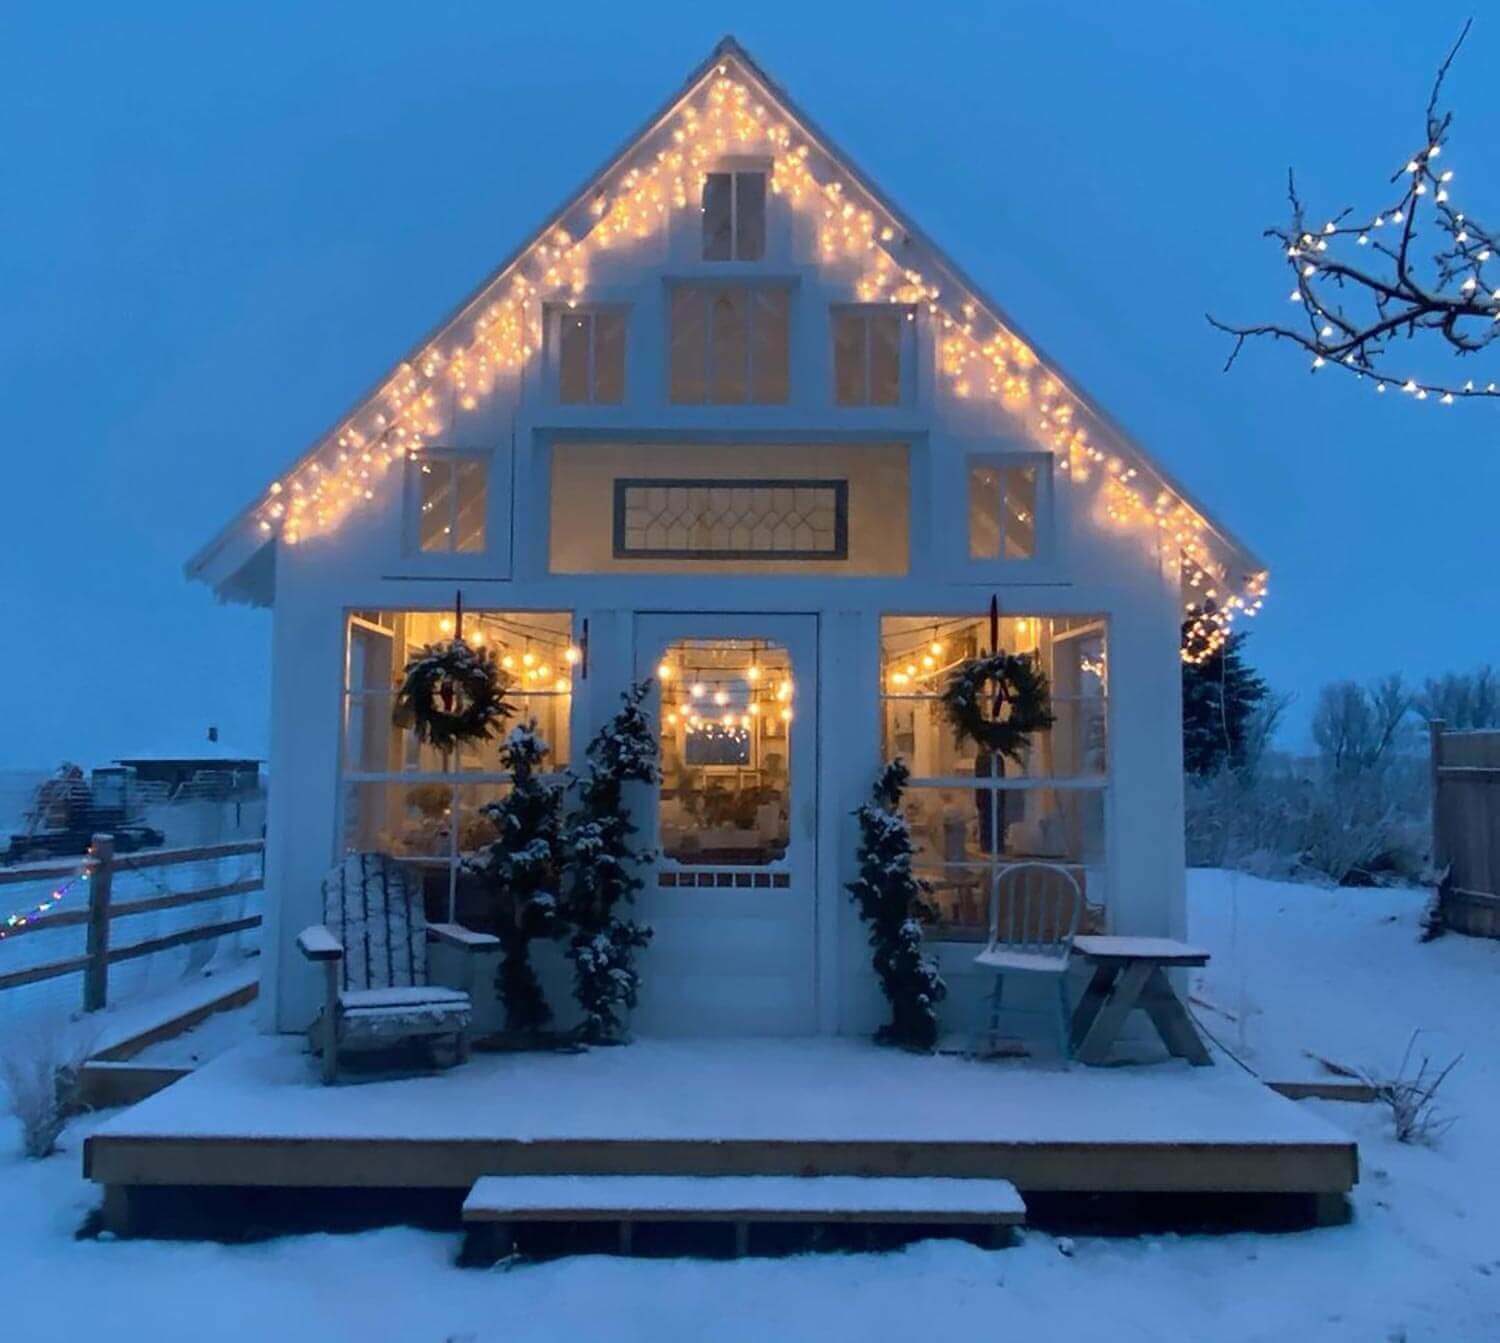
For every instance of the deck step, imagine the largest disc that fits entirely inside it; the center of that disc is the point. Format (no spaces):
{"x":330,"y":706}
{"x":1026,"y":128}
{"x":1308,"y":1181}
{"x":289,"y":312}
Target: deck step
{"x":497,"y":1203}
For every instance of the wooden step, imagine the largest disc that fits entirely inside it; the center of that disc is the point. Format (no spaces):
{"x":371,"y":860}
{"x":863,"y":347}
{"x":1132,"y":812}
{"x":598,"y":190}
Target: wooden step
{"x":497,"y":1203}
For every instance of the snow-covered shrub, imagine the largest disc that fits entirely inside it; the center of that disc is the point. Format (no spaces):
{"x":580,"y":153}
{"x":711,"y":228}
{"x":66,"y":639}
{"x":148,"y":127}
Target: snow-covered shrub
{"x":602,"y":866}
{"x":893,"y":902}
{"x":1312,"y":821}
{"x":523,"y":868}
{"x":40,"y":1071}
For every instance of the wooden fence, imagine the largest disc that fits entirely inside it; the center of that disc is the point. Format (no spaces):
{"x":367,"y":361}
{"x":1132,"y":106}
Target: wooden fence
{"x":1466,"y":827}
{"x":98,"y":916}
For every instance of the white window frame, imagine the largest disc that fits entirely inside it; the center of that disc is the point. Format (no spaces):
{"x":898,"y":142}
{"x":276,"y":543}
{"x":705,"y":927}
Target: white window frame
{"x":710,"y":285}
{"x":1042,"y":548}
{"x":556,"y":315}
{"x":734,"y":169}
{"x":1091,"y":783}
{"x":905,"y":354}
{"x":412,"y":505}
{"x":453,"y":779}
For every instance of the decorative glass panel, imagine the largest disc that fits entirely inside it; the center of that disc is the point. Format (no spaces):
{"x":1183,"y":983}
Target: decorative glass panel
{"x":731,"y":519}
{"x":726,"y":720}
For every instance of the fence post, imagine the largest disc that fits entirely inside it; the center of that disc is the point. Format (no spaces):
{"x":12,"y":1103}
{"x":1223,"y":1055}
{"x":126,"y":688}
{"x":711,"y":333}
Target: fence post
{"x":1435,"y":728}
{"x":101,"y":878}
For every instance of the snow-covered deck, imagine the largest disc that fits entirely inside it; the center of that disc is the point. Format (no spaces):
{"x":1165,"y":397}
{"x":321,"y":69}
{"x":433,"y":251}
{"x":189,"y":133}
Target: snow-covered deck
{"x":258,"y":1116}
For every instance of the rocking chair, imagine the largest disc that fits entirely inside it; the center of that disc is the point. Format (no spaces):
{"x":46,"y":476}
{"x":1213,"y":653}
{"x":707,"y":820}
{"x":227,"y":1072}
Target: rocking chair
{"x":373,"y":947}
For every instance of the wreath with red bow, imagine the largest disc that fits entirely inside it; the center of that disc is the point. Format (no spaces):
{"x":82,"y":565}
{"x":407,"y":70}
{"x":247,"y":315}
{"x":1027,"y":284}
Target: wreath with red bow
{"x":998,"y":701}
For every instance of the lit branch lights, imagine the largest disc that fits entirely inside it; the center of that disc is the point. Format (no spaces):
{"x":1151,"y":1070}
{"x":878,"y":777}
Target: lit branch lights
{"x":501,"y":330}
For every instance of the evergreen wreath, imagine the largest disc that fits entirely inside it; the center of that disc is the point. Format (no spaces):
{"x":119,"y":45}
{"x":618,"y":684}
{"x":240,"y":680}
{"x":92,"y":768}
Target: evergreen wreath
{"x":893,"y":902}
{"x":1017,"y":681}
{"x":451,"y":693}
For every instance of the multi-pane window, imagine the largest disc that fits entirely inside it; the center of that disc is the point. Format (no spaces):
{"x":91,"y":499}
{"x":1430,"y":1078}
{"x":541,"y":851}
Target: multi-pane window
{"x":448,"y":502}
{"x":734,"y":216}
{"x":867,"y":356}
{"x":1005,"y":499}
{"x":974,"y":814}
{"x":591,"y":357}
{"x":402,"y":797}
{"x":730,"y":344}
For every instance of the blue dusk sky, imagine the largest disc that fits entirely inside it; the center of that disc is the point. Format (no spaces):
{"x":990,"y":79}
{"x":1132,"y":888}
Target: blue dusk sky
{"x":221,"y":222}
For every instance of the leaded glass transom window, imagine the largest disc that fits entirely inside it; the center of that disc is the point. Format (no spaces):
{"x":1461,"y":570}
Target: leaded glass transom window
{"x":732,"y":519}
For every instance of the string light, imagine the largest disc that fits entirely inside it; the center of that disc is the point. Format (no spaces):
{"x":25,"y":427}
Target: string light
{"x":499,"y":333}
{"x":17,"y":920}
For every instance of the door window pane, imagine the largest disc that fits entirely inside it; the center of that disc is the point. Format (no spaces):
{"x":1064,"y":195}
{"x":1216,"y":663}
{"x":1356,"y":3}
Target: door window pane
{"x":726,"y":724}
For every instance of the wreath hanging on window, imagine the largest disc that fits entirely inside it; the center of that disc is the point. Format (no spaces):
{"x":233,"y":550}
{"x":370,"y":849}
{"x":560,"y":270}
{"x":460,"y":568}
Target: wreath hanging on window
{"x":998,"y":701}
{"x":451,"y":693}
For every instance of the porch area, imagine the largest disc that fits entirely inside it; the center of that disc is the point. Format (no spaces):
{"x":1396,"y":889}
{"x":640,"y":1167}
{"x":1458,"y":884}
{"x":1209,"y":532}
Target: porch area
{"x":823,"y":1106}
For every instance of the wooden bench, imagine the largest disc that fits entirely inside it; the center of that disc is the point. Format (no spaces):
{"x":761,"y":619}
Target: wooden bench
{"x":1129,"y":973}
{"x":497,"y":1203}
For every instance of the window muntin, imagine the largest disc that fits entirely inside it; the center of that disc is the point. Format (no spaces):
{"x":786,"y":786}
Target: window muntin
{"x":867,"y":356}
{"x":734,"y":216}
{"x":402,"y":797}
{"x":591,"y":356}
{"x":974,"y":815}
{"x":449,"y":499}
{"x":1004,"y":507}
{"x":730,"y":344}
{"x":726,"y":724}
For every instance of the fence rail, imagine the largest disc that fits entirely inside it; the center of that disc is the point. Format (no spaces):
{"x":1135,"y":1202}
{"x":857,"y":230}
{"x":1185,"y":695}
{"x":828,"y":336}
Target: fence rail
{"x":99,"y":869}
{"x":1466,"y":827}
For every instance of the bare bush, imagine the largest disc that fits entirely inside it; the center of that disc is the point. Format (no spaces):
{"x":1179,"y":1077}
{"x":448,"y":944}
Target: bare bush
{"x":40,"y":1072}
{"x":1356,"y":726}
{"x":1412,"y":1096}
{"x":1465,"y":701}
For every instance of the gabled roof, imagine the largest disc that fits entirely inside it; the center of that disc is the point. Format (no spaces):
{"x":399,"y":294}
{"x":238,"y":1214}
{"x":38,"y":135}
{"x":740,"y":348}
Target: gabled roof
{"x":730,"y":102}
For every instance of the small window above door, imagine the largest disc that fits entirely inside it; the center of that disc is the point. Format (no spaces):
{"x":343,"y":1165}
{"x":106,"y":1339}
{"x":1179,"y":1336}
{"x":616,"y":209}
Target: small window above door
{"x":734,"y":215}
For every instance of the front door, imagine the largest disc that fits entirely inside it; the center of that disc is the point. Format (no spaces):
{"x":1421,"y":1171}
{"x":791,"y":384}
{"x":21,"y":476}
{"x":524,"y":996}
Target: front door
{"x":732,"y":896}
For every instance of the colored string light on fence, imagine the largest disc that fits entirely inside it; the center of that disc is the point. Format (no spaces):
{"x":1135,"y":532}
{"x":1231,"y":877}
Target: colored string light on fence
{"x":15,"y":922}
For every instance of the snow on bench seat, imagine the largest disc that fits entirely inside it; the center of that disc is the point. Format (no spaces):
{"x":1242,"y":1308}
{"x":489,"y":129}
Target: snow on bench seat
{"x":742,"y":1198}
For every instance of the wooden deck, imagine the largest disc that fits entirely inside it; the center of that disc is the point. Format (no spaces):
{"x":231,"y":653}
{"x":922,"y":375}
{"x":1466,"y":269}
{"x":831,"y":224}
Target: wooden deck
{"x":258,"y":1117}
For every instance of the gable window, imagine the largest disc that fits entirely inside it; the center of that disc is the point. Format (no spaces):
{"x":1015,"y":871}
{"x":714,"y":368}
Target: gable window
{"x":730,"y":344}
{"x":448,"y":502}
{"x":591,"y":357}
{"x":1005,"y":505}
{"x":734,"y":216}
{"x":867,"y":356}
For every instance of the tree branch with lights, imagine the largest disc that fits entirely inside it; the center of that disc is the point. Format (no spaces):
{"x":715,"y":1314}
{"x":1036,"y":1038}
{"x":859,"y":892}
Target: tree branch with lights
{"x":1354,"y":310}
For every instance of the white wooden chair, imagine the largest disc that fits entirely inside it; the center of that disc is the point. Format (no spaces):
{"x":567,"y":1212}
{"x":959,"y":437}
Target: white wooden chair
{"x":373,"y":947}
{"x":1034,"y":914}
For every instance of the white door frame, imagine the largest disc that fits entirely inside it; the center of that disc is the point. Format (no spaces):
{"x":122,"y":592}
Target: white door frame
{"x":708,"y":980}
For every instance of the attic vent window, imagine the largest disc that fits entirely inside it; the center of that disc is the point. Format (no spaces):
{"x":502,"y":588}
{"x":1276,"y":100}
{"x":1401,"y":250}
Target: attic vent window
{"x":734,"y":216}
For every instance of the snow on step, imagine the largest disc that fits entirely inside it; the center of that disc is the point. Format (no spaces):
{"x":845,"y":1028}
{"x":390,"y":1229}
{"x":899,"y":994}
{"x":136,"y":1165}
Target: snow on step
{"x":763,"y":1198}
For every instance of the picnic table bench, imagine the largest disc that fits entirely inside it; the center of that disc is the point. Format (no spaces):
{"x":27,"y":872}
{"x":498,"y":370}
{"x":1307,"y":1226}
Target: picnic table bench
{"x":1130,"y":973}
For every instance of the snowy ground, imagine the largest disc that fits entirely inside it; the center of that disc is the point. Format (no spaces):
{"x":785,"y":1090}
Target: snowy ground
{"x":1338,"y":972}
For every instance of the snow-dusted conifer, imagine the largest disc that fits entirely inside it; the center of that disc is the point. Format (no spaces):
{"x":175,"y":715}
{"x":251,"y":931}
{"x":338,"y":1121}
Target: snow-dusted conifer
{"x":892,"y":901}
{"x":523,"y":867}
{"x":602,"y":880}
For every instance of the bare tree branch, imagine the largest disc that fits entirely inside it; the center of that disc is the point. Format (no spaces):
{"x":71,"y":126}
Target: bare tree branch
{"x":1352,"y":312}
